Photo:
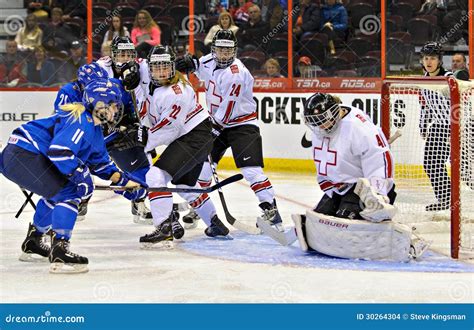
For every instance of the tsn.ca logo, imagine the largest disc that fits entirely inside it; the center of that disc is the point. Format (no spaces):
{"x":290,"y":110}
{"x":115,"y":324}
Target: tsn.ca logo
{"x":312,"y":83}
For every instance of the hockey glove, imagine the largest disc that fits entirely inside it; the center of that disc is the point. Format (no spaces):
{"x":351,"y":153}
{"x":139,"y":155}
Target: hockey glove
{"x":187,"y":64}
{"x":132,"y":136}
{"x":82,"y":178}
{"x":130,"y":75}
{"x":137,"y":187}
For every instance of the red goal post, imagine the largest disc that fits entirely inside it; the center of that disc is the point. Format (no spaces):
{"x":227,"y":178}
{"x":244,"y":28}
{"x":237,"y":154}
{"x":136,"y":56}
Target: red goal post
{"x":402,"y":94}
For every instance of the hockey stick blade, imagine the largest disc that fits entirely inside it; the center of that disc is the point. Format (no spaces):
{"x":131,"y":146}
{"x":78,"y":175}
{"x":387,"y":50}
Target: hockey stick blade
{"x":210,"y":189}
{"x":285,"y":238}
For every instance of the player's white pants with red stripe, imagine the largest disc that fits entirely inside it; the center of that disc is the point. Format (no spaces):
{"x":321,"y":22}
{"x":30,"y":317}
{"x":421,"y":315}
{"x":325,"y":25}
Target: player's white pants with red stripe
{"x":162,"y":202}
{"x":254,"y":175}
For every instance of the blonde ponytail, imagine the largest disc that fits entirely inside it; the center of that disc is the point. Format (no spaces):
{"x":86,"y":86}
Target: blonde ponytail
{"x":75,"y":110}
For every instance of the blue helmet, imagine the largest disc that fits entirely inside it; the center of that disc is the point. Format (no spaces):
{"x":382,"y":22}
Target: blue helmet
{"x":99,"y":98}
{"x":90,"y":72}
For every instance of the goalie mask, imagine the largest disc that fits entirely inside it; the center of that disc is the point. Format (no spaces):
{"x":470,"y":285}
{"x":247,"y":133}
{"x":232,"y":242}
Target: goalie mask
{"x":161,"y":64}
{"x":103,"y":99}
{"x":321,"y":113}
{"x":123,"y":51}
{"x":224,"y":48}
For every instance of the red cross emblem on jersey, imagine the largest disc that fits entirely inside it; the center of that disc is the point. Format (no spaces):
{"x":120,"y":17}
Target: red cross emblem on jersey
{"x":324,"y":156}
{"x":215,"y":97}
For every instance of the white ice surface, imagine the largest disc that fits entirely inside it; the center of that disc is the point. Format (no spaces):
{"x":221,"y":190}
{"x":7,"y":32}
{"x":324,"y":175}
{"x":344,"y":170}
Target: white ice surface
{"x":247,"y":269}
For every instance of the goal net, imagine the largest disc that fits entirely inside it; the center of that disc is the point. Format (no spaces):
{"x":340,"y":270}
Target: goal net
{"x":434,"y":157}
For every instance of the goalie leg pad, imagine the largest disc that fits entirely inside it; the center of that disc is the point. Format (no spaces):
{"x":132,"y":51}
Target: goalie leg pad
{"x":357,"y":239}
{"x":299,"y":220}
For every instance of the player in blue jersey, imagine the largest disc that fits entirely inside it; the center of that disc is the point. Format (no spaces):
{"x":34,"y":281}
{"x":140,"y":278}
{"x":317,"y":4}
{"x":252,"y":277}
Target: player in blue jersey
{"x":54,"y":157}
{"x":132,"y":160}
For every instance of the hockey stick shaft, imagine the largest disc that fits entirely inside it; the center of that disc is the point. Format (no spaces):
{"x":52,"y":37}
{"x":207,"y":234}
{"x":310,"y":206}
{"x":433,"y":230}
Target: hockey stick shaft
{"x":225,"y":182}
{"x":230,"y":219}
{"x":394,"y":137}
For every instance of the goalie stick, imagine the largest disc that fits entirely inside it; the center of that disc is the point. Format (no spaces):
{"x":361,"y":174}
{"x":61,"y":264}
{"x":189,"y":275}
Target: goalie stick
{"x":253,"y":230}
{"x":225,"y":182}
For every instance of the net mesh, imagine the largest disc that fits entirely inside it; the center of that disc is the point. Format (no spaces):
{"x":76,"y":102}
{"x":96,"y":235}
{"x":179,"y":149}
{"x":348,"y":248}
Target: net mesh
{"x":423,"y":171}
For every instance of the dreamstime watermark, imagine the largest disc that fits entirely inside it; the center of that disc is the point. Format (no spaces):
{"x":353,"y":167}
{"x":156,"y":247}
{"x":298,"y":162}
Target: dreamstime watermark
{"x":103,"y":291}
{"x":281,"y":292}
{"x":369,"y":24}
{"x":197,"y":24}
{"x":458,"y":26}
{"x":460,"y":291}
{"x":280,"y":25}
{"x":13,"y":24}
{"x":46,"y":318}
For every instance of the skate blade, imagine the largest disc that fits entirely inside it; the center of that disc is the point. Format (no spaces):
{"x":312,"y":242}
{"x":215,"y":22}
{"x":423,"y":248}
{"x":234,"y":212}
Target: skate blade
{"x":181,"y":207}
{"x":190,"y":225}
{"x":80,"y":218}
{"x":228,"y":237}
{"x":62,"y":268}
{"x":163,"y":245}
{"x":142,"y":221}
{"x":32,"y":257}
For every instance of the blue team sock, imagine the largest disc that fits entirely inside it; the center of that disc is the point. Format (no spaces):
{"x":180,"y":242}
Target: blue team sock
{"x":43,"y":217}
{"x":64,"y":218}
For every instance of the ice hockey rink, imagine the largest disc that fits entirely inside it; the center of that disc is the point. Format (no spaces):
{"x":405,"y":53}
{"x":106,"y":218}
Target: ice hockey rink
{"x":247,"y":269}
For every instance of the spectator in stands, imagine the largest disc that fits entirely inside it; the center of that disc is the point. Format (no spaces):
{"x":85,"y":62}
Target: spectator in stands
{"x":76,"y":60}
{"x":29,"y":36}
{"x":40,"y":8}
{"x":41,"y":70}
{"x":272,"y":68}
{"x":272,"y":12}
{"x":225,"y":22}
{"x":305,"y":69}
{"x":459,"y":66}
{"x":145,"y":33}
{"x":252,"y":33}
{"x":241,"y":13}
{"x":116,"y":29}
{"x":57,"y":36}
{"x":334,"y":22}
{"x":12,"y":66}
{"x":308,"y":20}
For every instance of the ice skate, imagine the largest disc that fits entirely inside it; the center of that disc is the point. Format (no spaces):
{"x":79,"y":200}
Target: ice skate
{"x":162,"y":234}
{"x":141,"y":213}
{"x":191,"y":220}
{"x":271,"y":215}
{"x":176,"y":228}
{"x":34,"y":248}
{"x":63,"y":261}
{"x":217,"y":229}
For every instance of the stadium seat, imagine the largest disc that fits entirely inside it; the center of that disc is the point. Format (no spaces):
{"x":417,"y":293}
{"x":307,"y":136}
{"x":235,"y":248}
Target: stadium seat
{"x":368,"y":66}
{"x":392,"y":25}
{"x":210,"y":22}
{"x":127,"y":11}
{"x":180,"y":13}
{"x":251,"y":63}
{"x":405,"y":10}
{"x":100,"y":11}
{"x":278,"y":44}
{"x":107,"y":5}
{"x":358,"y":11}
{"x":257,"y":54}
{"x":360,"y":45}
{"x":421,"y":30}
{"x":315,"y":49}
{"x":167,"y":31}
{"x":155,"y":10}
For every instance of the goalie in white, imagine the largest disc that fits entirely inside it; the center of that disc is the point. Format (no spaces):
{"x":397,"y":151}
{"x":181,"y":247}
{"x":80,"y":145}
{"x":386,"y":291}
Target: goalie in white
{"x":355,"y":171}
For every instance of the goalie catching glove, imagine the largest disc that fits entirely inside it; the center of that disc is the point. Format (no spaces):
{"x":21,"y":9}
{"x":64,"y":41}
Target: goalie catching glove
{"x":187,"y":64}
{"x":132,"y":136}
{"x":376,"y":205}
